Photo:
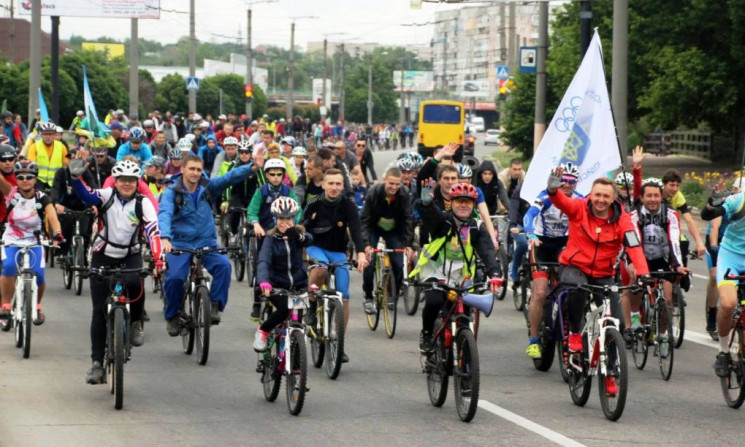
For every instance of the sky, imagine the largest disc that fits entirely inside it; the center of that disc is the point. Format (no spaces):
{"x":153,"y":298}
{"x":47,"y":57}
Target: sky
{"x":360,"y":21}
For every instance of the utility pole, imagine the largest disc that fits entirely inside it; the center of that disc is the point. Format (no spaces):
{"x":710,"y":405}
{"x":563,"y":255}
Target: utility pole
{"x":539,"y":127}
{"x":512,"y":40}
{"x":192,"y":54}
{"x":369,"y":92}
{"x":445,"y":65}
{"x":341,"y":93}
{"x":290,"y":85}
{"x":54,"y":113}
{"x":12,"y":31}
{"x":585,"y":26}
{"x":325,"y":75}
{"x":619,"y":86}
{"x":249,"y":68}
{"x":35,"y":60}
{"x":502,"y":33}
{"x":134,"y":68}
{"x":402,"y":100}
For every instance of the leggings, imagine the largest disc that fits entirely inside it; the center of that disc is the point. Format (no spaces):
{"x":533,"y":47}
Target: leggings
{"x":578,"y":298}
{"x":279,"y":301}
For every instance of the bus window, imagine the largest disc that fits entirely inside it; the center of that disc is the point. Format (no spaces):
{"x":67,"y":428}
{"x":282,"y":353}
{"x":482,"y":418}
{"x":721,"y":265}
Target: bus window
{"x":442,"y":114}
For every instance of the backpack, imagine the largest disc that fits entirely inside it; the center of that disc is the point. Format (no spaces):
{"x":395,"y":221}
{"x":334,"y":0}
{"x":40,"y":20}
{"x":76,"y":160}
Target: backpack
{"x":102,"y":210}
{"x":178,"y":201}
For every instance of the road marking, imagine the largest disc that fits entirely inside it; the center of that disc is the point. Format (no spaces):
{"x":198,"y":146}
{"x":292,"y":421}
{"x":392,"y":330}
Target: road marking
{"x":701,"y":339}
{"x":527,"y":424}
{"x":696,"y":275}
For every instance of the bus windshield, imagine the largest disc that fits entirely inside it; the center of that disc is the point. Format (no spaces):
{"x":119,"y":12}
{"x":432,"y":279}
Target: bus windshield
{"x":442,"y":114}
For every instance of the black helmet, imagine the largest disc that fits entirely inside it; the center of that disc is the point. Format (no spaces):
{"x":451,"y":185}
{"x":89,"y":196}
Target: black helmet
{"x":6,"y":149}
{"x":6,"y":114}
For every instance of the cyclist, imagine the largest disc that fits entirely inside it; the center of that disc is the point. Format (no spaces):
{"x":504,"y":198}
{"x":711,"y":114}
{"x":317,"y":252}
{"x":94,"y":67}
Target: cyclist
{"x":729,"y":258}
{"x":310,"y":183}
{"x":299,"y":154}
{"x":386,"y":214}
{"x":240,"y":195}
{"x":365,"y":157}
{"x":328,"y":217}
{"x":49,"y":154}
{"x":492,"y":188}
{"x":407,"y":167}
{"x":175,"y":155}
{"x":512,"y":176}
{"x":226,"y":158}
{"x":135,"y":146}
{"x":450,"y":255}
{"x":186,"y":221}
{"x":154,"y":174}
{"x":64,"y":198}
{"x":659,"y":227}
{"x":123,"y":214}
{"x":26,"y":208}
{"x":209,"y":153}
{"x":330,"y":161}
{"x":287,"y":145}
{"x":100,"y":165}
{"x":546,"y":226}
{"x":518,"y":208}
{"x":281,"y":264}
{"x":273,"y":152}
{"x":714,"y":234}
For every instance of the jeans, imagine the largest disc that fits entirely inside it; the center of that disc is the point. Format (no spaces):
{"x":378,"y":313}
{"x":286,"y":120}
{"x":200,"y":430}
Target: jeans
{"x":521,"y":247}
{"x":217,"y":264}
{"x":392,"y":241}
{"x":341,"y":273}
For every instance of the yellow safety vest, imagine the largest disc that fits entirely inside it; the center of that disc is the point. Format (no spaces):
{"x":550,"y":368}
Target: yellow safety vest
{"x":47,"y":167}
{"x":431,"y":249}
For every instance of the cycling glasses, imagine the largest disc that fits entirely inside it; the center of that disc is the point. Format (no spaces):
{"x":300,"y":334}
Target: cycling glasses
{"x":275,"y":174}
{"x":569,"y":180}
{"x":10,"y":158}
{"x":25,"y":177}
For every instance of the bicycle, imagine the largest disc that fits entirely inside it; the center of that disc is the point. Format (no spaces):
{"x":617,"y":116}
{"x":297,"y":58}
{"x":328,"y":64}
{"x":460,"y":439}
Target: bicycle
{"x":25,"y":299}
{"x":656,"y":313}
{"x":554,"y":327}
{"x":521,"y":288}
{"x":250,"y":250}
{"x":603,"y":354}
{"x":501,"y":225}
{"x":385,"y":293}
{"x":195,"y":317}
{"x":733,"y":386}
{"x":409,"y":291}
{"x":552,"y":271}
{"x":454,"y":352}
{"x":240,"y":256}
{"x":283,"y":358}
{"x":118,"y":345}
{"x":679,"y":315}
{"x":76,"y":255}
{"x":326,"y":338}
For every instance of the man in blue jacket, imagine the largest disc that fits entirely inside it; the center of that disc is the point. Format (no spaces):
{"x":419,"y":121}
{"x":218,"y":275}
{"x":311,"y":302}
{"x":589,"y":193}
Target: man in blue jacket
{"x":135,"y":146}
{"x":187,"y":222}
{"x":208,"y":153}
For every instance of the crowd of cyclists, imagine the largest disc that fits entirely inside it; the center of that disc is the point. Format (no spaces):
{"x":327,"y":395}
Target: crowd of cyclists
{"x":165,"y":185}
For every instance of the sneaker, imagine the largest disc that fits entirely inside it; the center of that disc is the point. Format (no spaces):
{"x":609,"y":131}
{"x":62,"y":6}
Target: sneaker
{"x":344,"y":358}
{"x":534,"y":351}
{"x":233,"y":240}
{"x":172,"y":326}
{"x":628,"y":337}
{"x":575,"y":342}
{"x":137,"y":334}
{"x":425,"y":342}
{"x":311,"y":319}
{"x":664,"y":346}
{"x":94,"y":376}
{"x":369,"y":306}
{"x":260,"y":340}
{"x":256,"y":312}
{"x":636,"y":321}
{"x":611,"y":387}
{"x":721,"y":364}
{"x":40,"y":318}
{"x":145,"y":316}
{"x":215,"y":314}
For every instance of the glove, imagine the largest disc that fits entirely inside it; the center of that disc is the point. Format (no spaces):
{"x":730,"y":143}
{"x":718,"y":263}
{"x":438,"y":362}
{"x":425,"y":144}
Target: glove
{"x":294,"y":235}
{"x":224,"y":207}
{"x":495,"y":282}
{"x":645,"y":280}
{"x":160,"y":265}
{"x":265,"y":287}
{"x":554,"y":182}
{"x":77,"y":167}
{"x":59,"y":238}
{"x":717,"y":198}
{"x":426,"y":194}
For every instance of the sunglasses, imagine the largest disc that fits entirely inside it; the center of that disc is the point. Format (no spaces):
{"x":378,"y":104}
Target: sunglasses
{"x":360,"y":145}
{"x":101,"y":155}
{"x":243,"y":152}
{"x":25,"y":177}
{"x":569,"y":181}
{"x":461,"y":201}
{"x":7,"y":159}
{"x":276,"y":174}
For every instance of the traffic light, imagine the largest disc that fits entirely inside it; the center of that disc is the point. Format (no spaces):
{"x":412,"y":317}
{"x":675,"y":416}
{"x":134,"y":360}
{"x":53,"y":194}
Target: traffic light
{"x":249,"y":91}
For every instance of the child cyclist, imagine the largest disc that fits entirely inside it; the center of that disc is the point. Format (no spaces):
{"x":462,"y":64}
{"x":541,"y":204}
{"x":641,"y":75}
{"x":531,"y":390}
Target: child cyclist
{"x":281,"y":264}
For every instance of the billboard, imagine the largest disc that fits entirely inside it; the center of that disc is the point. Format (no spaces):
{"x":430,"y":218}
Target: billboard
{"x":104,"y":9}
{"x":318,"y":92}
{"x":113,"y":50}
{"x":475,"y":88}
{"x":414,"y":81}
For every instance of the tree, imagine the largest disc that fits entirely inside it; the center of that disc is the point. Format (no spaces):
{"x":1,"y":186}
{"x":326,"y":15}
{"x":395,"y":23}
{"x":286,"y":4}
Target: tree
{"x":383,"y":95}
{"x":172,"y":94}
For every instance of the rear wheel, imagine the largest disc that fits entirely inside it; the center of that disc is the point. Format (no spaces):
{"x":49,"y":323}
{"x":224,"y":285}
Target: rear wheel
{"x":27,"y":317}
{"x":504,"y":262}
{"x":334,"y":346}
{"x":527,"y":293}
{"x":733,"y":385}
{"x":546,"y":341}
{"x":437,"y":376}
{"x":664,"y":318}
{"x":271,"y":377}
{"x":562,"y":347}
{"x":580,"y":381}
{"x":67,"y":273}
{"x":118,"y":360}
{"x":189,"y":318}
{"x":466,"y":377}
{"x":389,"y":304}
{"x":79,"y":256}
{"x":317,"y":344}
{"x":239,"y":257}
{"x":374,"y":317}
{"x":520,"y":296}
{"x":298,"y":373}
{"x":614,"y":401}
{"x":202,"y":305}
{"x":251,"y":260}
{"x":679,"y":317}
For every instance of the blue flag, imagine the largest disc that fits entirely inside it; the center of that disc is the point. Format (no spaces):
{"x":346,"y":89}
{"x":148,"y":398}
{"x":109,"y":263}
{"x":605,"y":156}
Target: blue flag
{"x":43,"y":108}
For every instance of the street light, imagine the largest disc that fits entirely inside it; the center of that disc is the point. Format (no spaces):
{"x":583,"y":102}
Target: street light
{"x":326,"y":70}
{"x":290,"y":85}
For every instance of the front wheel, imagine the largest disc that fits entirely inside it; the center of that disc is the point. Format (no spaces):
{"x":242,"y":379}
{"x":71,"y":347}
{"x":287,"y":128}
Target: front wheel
{"x":202,"y":324}
{"x":317,"y":343}
{"x":664,"y":342}
{"x":189,"y":319}
{"x":251,"y":260}
{"x":374,"y":317}
{"x":504,"y":261}
{"x":679,"y":317}
{"x":27,"y":316}
{"x":436,"y":369}
{"x":466,"y":376}
{"x":297,"y":376}
{"x":116,"y":367}
{"x":79,"y":257}
{"x":613,"y":401}
{"x":546,"y":341}
{"x":389,"y":304}
{"x":580,"y":380}
{"x":733,"y":386}
{"x":411,"y":294}
{"x":271,"y":377}
{"x":67,"y":273}
{"x":520,"y":297}
{"x":334,"y":346}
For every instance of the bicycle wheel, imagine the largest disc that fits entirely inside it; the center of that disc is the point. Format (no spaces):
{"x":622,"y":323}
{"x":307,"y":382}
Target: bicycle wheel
{"x":437,"y":376}
{"x":251,"y":260}
{"x":615,"y":354}
{"x":271,"y":378}
{"x":640,"y":346}
{"x":117,"y":366}
{"x":188,"y":316}
{"x":202,"y":306}
{"x":17,"y":321}
{"x":298,"y":374}
{"x":504,"y":262}
{"x":334,"y":345}
{"x":67,"y":273}
{"x":317,"y":344}
{"x":239,"y":257}
{"x":664,"y":318}
{"x":373,"y":318}
{"x":411,"y":298}
{"x":79,"y":257}
{"x":733,"y":386}
{"x":476,"y":317}
{"x":389,"y":304}
{"x":580,"y":380}
{"x":562,"y":347}
{"x":679,"y":317}
{"x":519,"y":297}
{"x":466,"y":378}
{"x":526,"y":291}
{"x":27,"y":316}
{"x":546,"y":341}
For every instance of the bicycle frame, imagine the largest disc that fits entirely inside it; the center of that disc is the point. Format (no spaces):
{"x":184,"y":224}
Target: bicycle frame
{"x":296,"y":303}
{"x":454,"y":317}
{"x":24,"y":267}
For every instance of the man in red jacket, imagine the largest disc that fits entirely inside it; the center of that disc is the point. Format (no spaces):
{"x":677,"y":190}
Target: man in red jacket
{"x":598,"y":228}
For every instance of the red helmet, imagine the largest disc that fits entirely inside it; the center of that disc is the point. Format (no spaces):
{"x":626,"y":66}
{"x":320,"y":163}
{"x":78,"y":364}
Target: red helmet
{"x":463,"y":190}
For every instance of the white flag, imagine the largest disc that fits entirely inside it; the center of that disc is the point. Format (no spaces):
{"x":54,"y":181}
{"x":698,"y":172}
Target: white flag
{"x":582,"y":130}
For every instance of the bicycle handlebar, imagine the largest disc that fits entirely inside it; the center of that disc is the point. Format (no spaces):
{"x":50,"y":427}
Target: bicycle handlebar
{"x":199,"y":252}
{"x":388,"y":250}
{"x":111,"y":271}
{"x":319,"y":263}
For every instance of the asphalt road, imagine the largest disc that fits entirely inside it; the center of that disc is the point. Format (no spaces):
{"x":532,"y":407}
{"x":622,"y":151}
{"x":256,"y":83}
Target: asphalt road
{"x":380,"y":397}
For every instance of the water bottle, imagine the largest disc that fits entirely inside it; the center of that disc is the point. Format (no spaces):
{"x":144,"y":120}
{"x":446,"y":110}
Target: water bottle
{"x":555,"y":311}
{"x":282,"y":340}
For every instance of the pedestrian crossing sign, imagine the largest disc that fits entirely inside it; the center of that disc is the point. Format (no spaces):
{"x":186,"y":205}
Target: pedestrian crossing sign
{"x":503,"y":72}
{"x":192,"y":84}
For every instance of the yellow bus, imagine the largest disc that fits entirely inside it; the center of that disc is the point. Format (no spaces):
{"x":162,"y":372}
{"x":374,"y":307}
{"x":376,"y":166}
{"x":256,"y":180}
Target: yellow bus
{"x":440,"y":123}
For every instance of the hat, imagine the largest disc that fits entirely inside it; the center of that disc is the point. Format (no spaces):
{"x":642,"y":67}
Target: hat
{"x":133,"y":116}
{"x":222,"y":117}
{"x":116,"y":125}
{"x":197,"y":117}
{"x":79,"y":113}
{"x":119,"y":112}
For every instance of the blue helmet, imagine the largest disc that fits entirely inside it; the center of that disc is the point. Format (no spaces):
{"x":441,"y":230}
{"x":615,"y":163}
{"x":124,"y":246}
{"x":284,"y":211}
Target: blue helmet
{"x":136,"y":135}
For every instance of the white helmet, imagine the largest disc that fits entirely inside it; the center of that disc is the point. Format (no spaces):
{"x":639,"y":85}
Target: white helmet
{"x":406,"y":164}
{"x":148,"y":123}
{"x":284,"y":207}
{"x":230,"y":141}
{"x":184,"y":144}
{"x":624,"y":179}
{"x":464,"y":171}
{"x":570,"y":169}
{"x":245,"y":146}
{"x":299,"y":151}
{"x":288,"y":140}
{"x":126,"y":168}
{"x":274,"y":163}
{"x":653,"y":180}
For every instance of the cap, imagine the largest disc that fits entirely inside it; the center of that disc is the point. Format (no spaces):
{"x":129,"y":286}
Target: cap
{"x":79,"y":113}
{"x":197,"y":117}
{"x":222,"y":117}
{"x":133,"y":116}
{"x":119,"y":112}
{"x":116,"y":125}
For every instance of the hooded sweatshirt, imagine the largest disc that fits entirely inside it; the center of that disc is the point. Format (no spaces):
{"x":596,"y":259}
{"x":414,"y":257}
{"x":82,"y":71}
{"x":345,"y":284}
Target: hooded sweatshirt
{"x":209,"y":155}
{"x":494,"y":190}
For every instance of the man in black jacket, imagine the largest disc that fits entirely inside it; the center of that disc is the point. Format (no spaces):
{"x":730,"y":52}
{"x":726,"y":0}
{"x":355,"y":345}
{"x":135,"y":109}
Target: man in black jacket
{"x":64,"y":198}
{"x":387,"y":214}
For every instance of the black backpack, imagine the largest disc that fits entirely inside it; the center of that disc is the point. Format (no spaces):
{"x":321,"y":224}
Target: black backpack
{"x":102,"y":209}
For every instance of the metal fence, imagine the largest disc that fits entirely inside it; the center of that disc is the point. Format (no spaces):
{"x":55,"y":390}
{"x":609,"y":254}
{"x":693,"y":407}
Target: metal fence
{"x":679,"y":142}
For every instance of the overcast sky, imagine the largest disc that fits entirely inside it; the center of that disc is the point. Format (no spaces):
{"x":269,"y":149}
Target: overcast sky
{"x":359,"y":20}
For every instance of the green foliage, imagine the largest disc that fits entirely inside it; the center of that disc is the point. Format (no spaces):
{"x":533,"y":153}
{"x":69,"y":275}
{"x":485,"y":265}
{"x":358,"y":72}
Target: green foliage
{"x":518,"y":115}
{"x":383,"y":95}
{"x":172,"y":94}
{"x":695,"y":193}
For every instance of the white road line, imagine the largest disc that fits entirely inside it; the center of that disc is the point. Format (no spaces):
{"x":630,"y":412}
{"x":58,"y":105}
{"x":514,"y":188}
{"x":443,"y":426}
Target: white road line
{"x":527,"y":424}
{"x":696,"y":275}
{"x":699,"y":338}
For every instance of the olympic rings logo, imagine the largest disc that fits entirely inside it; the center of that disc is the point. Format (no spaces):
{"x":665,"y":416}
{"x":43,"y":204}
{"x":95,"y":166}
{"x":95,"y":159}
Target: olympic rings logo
{"x":566,"y":121}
